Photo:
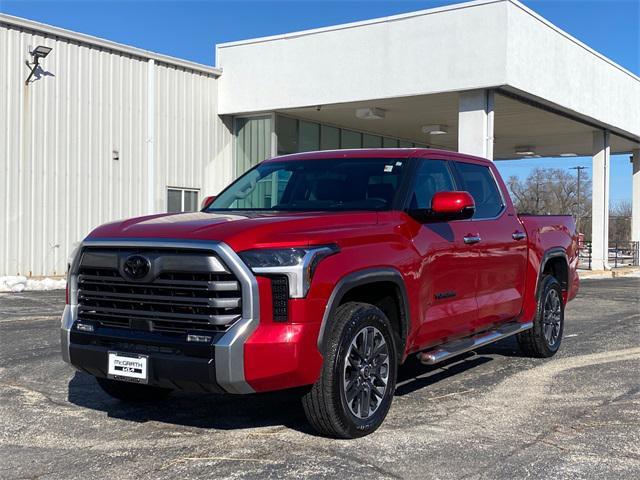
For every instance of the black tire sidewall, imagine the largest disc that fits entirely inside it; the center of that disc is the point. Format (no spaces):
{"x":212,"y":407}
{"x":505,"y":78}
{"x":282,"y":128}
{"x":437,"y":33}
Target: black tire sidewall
{"x":548,"y":283}
{"x":366,"y":316}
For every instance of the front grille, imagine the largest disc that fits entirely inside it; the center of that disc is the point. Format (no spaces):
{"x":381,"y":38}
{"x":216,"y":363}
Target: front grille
{"x":184,"y":291}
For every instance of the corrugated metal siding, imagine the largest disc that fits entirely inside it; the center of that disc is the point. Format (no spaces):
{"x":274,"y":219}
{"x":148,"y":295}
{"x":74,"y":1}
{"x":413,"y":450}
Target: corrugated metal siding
{"x":190,"y":138}
{"x":57,"y":136}
{"x":253,"y":141}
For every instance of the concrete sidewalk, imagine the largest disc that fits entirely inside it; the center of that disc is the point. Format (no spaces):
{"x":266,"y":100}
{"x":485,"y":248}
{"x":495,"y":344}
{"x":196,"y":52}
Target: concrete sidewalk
{"x":614,"y":273}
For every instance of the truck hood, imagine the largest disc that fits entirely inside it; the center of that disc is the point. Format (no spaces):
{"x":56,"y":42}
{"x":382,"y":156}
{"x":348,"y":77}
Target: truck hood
{"x":242,"y":231}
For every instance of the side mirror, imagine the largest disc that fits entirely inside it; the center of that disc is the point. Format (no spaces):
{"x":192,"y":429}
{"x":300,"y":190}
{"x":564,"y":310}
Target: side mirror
{"x":447,"y":206}
{"x":207,"y":201}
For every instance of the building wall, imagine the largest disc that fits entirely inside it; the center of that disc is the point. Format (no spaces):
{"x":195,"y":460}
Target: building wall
{"x":452,"y":48}
{"x":192,"y":145}
{"x":58,"y":134}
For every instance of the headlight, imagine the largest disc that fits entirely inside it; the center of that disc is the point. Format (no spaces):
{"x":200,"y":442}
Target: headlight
{"x":298,"y":264}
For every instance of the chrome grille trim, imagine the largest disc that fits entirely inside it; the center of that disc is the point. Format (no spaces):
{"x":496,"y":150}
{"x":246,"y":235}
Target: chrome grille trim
{"x":177,"y":295}
{"x":229,"y":350}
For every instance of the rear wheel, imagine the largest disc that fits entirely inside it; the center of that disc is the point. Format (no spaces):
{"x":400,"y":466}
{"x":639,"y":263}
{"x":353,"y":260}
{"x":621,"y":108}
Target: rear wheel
{"x":356,"y":386}
{"x":132,"y":392}
{"x":543,"y":340}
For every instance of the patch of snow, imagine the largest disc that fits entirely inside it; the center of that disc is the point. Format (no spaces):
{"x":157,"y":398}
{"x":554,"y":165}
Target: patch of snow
{"x":19,"y":283}
{"x":596,"y":277}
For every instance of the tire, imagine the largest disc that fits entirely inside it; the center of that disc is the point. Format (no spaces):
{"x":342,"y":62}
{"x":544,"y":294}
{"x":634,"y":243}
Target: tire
{"x":351,"y":398}
{"x":132,"y":392}
{"x":544,"y":339}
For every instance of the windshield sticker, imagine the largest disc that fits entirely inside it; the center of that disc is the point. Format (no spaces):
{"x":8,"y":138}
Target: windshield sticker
{"x":388,"y":168}
{"x":398,"y":164}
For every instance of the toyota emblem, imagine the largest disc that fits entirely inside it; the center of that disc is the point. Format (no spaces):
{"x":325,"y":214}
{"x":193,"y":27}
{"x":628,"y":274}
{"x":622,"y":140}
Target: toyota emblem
{"x":136,"y":267}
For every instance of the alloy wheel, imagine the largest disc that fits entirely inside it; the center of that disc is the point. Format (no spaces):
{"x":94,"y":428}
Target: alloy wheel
{"x":552,"y":317}
{"x":366,"y":372}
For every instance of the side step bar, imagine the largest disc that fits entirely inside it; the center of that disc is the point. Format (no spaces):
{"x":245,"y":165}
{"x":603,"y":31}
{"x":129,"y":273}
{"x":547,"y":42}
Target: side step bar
{"x":457,"y":347}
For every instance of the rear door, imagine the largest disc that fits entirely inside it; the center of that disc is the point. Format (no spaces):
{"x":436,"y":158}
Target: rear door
{"x":448,"y":266}
{"x":499,"y":243}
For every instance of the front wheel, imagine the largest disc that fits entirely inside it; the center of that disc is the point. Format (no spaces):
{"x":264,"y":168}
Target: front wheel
{"x":543,"y":340}
{"x":357,"y":383}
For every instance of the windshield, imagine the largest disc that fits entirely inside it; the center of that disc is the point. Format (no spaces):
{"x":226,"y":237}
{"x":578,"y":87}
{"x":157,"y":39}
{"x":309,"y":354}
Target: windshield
{"x":306,"y":185}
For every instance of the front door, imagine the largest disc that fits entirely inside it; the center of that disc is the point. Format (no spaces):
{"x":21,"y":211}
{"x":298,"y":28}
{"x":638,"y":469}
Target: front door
{"x":498,"y":241}
{"x":448,"y":265}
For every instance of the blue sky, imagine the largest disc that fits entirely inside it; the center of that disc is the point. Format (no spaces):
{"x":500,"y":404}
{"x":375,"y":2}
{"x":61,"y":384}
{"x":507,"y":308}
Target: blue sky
{"x":190,"y":29}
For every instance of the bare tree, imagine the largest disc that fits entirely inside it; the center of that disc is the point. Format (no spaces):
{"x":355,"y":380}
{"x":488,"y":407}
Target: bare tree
{"x":620,"y":222}
{"x":548,"y":191}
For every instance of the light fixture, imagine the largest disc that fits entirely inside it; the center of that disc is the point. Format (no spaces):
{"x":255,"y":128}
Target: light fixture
{"x":370,"y":113}
{"x":40,"y":52}
{"x":525,"y":151}
{"x":568,"y":154}
{"x":435,"y":129}
{"x":37,"y":53}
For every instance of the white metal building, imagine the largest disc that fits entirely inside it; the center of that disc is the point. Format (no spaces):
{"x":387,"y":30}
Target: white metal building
{"x":105,"y":131}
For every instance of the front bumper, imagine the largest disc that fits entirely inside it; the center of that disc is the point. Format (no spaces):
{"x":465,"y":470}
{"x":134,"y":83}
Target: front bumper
{"x":276,"y":356}
{"x":173,"y":362}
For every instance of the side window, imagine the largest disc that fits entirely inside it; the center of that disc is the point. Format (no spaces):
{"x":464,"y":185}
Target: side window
{"x":432,"y":176}
{"x":182,"y":200}
{"x":479,"y":182}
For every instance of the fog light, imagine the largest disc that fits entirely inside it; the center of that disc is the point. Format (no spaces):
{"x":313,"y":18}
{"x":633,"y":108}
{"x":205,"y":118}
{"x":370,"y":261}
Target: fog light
{"x":85,"y":327}
{"x":198,"y":338}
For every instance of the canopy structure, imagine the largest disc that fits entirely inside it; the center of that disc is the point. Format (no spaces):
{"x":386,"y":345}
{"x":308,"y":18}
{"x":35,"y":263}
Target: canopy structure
{"x":494,"y":78}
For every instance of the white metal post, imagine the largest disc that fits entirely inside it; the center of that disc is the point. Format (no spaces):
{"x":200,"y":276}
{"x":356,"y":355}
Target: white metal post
{"x":635,"y":195}
{"x":600,"y":202}
{"x":475,"y":123}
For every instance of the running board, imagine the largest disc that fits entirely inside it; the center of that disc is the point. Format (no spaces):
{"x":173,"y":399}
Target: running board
{"x":457,"y":347}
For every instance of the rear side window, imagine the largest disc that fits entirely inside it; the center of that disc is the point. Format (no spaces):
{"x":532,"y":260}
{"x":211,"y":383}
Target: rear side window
{"x":479,"y":182}
{"x":432,"y":176}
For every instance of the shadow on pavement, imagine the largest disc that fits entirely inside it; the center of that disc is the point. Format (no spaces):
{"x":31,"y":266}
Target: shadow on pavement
{"x":225,"y":412}
{"x":230,"y":412}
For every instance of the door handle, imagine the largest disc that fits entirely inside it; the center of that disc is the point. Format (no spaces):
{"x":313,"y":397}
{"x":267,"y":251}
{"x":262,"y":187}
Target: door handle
{"x":470,"y":239}
{"x":518,"y":235}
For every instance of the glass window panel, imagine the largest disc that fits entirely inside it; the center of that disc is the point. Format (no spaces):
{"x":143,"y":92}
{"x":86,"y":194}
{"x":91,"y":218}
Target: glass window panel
{"x":479,"y":182}
{"x":311,"y":185}
{"x":371,"y":141}
{"x":405,"y":144}
{"x":329,"y":138}
{"x":390,"y":142}
{"x":351,"y":139}
{"x":432,"y":176}
{"x":287,"y":132}
{"x":174,"y":200}
{"x":190,"y":201}
{"x":266,"y":193}
{"x":309,"y":136}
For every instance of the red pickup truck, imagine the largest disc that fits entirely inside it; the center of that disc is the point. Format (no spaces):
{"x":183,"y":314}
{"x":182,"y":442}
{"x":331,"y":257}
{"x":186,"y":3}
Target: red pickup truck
{"x":323,"y":270}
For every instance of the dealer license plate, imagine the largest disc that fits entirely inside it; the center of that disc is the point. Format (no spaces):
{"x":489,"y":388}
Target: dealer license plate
{"x":128,"y":367}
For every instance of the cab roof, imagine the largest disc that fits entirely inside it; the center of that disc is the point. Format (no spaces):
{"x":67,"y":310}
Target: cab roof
{"x":431,"y":153}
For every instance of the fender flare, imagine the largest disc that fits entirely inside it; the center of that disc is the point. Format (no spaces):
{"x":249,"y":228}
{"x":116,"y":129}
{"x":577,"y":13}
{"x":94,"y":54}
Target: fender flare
{"x":358,"y":279}
{"x":553,"y":252}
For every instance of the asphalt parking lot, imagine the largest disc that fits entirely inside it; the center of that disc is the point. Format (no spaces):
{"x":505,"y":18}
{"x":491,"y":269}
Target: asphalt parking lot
{"x":492,"y":414}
